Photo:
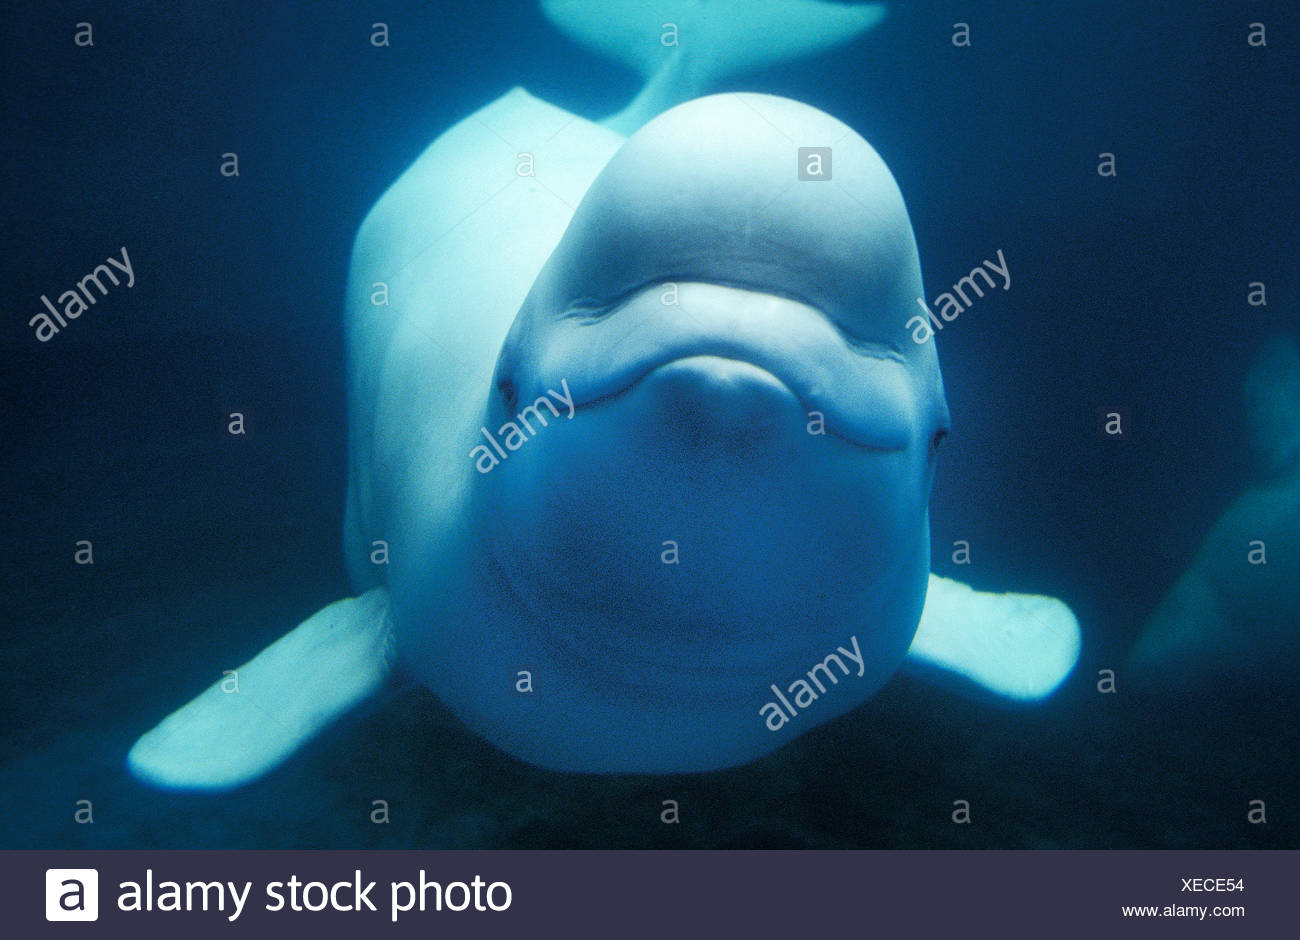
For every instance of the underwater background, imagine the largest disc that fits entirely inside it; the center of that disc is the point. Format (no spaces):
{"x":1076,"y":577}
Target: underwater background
{"x":1129,"y":294}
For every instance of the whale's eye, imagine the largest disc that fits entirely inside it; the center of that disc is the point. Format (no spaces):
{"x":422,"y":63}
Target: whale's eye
{"x":939,"y":437}
{"x":509,"y":394}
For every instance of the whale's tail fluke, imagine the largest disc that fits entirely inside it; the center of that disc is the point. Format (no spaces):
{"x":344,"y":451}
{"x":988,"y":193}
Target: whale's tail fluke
{"x":683,"y":47}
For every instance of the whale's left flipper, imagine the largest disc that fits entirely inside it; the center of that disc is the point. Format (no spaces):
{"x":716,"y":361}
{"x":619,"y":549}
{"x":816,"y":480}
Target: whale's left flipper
{"x":1021,"y":646}
{"x":286,"y":694}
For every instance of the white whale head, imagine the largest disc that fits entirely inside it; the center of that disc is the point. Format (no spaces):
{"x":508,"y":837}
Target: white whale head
{"x":744,"y":479}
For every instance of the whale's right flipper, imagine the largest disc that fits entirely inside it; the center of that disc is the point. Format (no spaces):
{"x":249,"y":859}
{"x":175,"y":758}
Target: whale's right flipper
{"x":706,"y":42}
{"x":286,"y":695}
{"x":1018,"y":646}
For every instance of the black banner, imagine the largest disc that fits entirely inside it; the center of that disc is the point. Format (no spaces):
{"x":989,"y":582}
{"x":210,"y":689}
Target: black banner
{"x":652,"y":894}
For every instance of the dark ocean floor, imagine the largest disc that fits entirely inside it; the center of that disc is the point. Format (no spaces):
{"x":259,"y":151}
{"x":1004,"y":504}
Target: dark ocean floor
{"x":1083,"y":772}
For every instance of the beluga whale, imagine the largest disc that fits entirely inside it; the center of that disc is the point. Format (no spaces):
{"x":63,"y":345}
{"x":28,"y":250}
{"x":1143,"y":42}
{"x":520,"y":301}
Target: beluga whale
{"x":636,"y":419}
{"x":1233,"y":614}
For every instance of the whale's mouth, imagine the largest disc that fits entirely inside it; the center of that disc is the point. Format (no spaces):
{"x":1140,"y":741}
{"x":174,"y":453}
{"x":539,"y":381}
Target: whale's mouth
{"x":627,"y":375}
{"x":726,"y":383}
{"x":727,"y":348}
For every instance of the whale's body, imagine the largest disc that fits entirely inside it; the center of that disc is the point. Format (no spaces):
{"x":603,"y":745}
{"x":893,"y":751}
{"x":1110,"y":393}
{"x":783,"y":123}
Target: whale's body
{"x":689,"y":435}
{"x":637,"y":436}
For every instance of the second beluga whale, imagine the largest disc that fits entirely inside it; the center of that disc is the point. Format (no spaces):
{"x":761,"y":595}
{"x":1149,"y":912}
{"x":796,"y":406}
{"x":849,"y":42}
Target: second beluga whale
{"x":1234,"y":614}
{"x":634,"y":412}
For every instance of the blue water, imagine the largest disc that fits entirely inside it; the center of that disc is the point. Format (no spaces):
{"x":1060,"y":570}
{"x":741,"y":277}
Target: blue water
{"x":1129,"y":293}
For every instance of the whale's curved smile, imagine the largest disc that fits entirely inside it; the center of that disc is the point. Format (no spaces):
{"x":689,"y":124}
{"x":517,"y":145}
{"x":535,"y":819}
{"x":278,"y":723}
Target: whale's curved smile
{"x":722,"y":381}
{"x":730,"y":347}
{"x":720,"y":366}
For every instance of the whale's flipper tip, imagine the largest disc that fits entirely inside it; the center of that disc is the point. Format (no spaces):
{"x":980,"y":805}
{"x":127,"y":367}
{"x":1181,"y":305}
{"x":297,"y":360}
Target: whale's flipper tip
{"x":1018,"y":646}
{"x":256,"y":716}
